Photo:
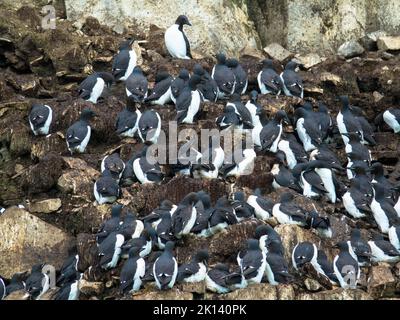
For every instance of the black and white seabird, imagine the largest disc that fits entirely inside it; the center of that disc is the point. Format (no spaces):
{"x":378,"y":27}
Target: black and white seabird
{"x":368,"y":135}
{"x":185,"y":215}
{"x":78,"y":134}
{"x":266,"y":235}
{"x":241,"y":162}
{"x":254,"y":108}
{"x":384,"y":213}
{"x":164,"y":230}
{"x":276,"y":267}
{"x":92,"y":88}
{"x":161,"y":93}
{"x":345,"y":265}
{"x":128,"y":119}
{"x":16,"y":283}
{"x":136,"y":85}
{"x":321,"y":224}
{"x":394,"y":236}
{"x":229,"y":119}
{"x":110,"y":250}
{"x":128,"y":175}
{"x":154,"y":218}
{"x":204,"y":210}
{"x":222,"y":216}
{"x":324,"y":153}
{"x":382,"y":250}
{"x":215,"y":278}
{"x":131,"y":227}
{"x":292,"y":82}
{"x":144,"y":242}
{"x":165,"y":268}
{"x":272,"y":131}
{"x":149,"y":126}
{"x":360,"y":248}
{"x":355,"y":149}
{"x":283,"y":177}
{"x":294,"y":151}
{"x":309,"y":181}
{"x":148,"y":275}
{"x":114,"y":164}
{"x":207,"y":164}
{"x":262,"y":206}
{"x":242,"y":209}
{"x":132,"y":272}
{"x":268,"y":80}
{"x":195,"y":270}
{"x":346,"y":121}
{"x":305,"y":252}
{"x":287,"y":212}
{"x":70,"y":290}
{"x":69,"y":268}
{"x":307,"y":128}
{"x":176,"y":41}
{"x":253,"y":262}
{"x":40,"y":118}
{"x":392,"y":119}
{"x":124,"y":61}
{"x":324,"y":121}
{"x":355,"y":201}
{"x":208,"y":87}
{"x":106,"y":188}
{"x":243,"y":113}
{"x":326,"y":267}
{"x":240,"y":75}
{"x":324,"y":170}
{"x":179,"y":83}
{"x":224,"y":77}
{"x":38,"y":282}
{"x":111,"y":224}
{"x":145,"y":171}
{"x":188,"y":102}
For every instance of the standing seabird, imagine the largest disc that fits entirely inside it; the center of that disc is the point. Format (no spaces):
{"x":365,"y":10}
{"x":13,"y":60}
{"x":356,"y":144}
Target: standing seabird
{"x":195,"y":270}
{"x":394,"y":236}
{"x":128,"y":119}
{"x":188,"y":102}
{"x":124,"y":61}
{"x":382,"y":250}
{"x":240,"y":75}
{"x":383,"y":211}
{"x":132,"y":272}
{"x":161,"y":93}
{"x":78,"y":134}
{"x":38,"y":282}
{"x":204,"y":210}
{"x":114,"y":164}
{"x":240,"y":163}
{"x":321,"y":224}
{"x":111,"y":224}
{"x":144,"y":242}
{"x":345,"y":265}
{"x":305,"y":252}
{"x":272,"y":131}
{"x":287,"y":212}
{"x":276,"y":267}
{"x":392,"y":119}
{"x":222,"y":216}
{"x":268,"y":80}
{"x":355,"y":201}
{"x":178,"y":84}
{"x":69,"y":268}
{"x":294,"y":151}
{"x":283,"y":177}
{"x":40,"y":118}
{"x":252,"y":264}
{"x":307,"y":129}
{"x":346,"y":121}
{"x":266,"y":235}
{"x":292,"y":82}
{"x":262,"y":206}
{"x":360,"y":248}
{"x":176,"y":41}
{"x":145,"y":171}
{"x":106,"y":188}
{"x":70,"y":290}
{"x":185,"y":215}
{"x":136,"y":85}
{"x":110,"y":250}
{"x":131,"y":227}
{"x":165,"y":268}
{"x":92,"y":88}
{"x":224,"y":77}
{"x":242,"y":209}
{"x":208,"y":87}
{"x":149,"y":126}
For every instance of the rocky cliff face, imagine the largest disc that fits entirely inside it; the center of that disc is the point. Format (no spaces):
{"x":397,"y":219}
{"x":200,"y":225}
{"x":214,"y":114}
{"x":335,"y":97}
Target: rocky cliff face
{"x":56,"y":190}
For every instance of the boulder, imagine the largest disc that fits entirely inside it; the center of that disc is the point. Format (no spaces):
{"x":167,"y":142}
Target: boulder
{"x":89,"y":288}
{"x":173,"y":294}
{"x":45,"y":206}
{"x":276,"y":51}
{"x":381,"y":282}
{"x":207,"y":17}
{"x":389,"y":43}
{"x":350,"y":49}
{"x":369,"y":41}
{"x":309,"y":60}
{"x":337,"y":294}
{"x":28,"y":240}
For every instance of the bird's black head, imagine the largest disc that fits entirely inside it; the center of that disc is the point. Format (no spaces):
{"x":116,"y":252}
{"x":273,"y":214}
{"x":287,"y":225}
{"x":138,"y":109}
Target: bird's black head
{"x":377,"y":169}
{"x":232,"y":63}
{"x":37,"y":267}
{"x":169,"y":246}
{"x":307,"y":106}
{"x":281,"y":115}
{"x":124,"y":45}
{"x":137,"y":70}
{"x":267,"y":64}
{"x":87,"y":114}
{"x":198,"y":69}
{"x":235,"y":97}
{"x":291,"y":65}
{"x":161,"y":76}
{"x":181,"y":20}
{"x":239,"y":196}
{"x":353,"y":136}
{"x":205,"y":198}
{"x":190,"y":198}
{"x":274,"y":246}
{"x":107,"y":77}
{"x":194,"y":81}
{"x":344,"y":100}
{"x":184,"y":74}
{"x":166,"y":204}
{"x":342,"y":246}
{"x":202,"y":256}
{"x":280,"y":157}
{"x":134,"y":252}
{"x":221,"y":58}
{"x":222,"y":267}
{"x":262,"y":230}
{"x":355,"y":233}
{"x":253,"y":244}
{"x":286,"y":197}
{"x":116,"y":210}
{"x":253,"y":95}
{"x":322,"y":107}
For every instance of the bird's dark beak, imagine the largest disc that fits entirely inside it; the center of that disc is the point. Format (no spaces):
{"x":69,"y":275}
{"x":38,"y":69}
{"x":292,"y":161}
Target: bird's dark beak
{"x":188,"y":23}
